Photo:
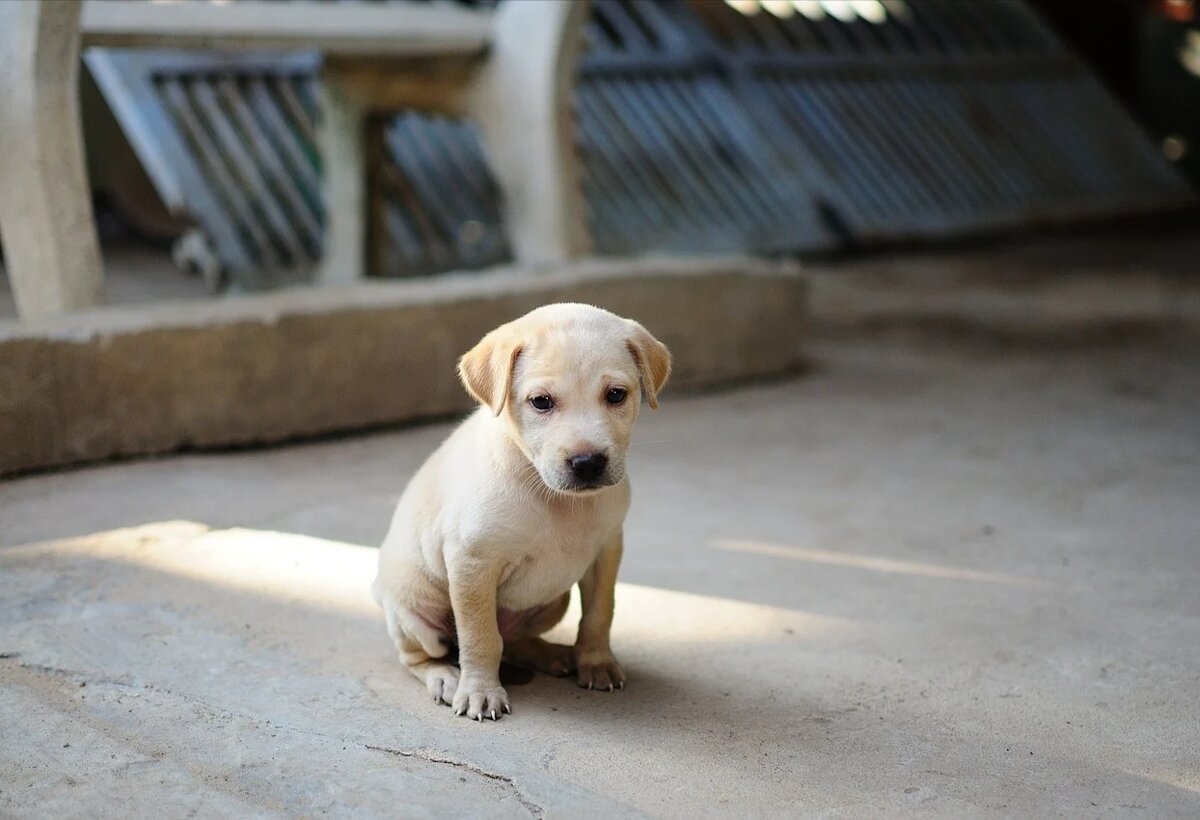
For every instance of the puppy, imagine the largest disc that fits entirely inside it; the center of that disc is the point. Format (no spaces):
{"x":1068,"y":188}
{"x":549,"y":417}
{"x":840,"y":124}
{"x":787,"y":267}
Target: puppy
{"x":524,"y":500}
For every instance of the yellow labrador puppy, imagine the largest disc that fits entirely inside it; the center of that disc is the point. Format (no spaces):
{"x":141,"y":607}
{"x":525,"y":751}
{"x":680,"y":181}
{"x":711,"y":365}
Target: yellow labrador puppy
{"x":525,"y":499}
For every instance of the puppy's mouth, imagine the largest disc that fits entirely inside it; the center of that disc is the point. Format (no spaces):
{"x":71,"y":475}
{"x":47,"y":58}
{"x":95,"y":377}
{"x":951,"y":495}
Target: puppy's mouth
{"x":575,"y":486}
{"x":568,"y":484}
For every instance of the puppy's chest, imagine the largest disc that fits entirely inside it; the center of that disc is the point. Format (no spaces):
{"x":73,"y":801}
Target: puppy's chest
{"x":548,"y":564}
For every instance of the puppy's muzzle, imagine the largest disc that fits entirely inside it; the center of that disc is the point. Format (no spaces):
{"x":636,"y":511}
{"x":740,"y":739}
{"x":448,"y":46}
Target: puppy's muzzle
{"x":588,"y":468}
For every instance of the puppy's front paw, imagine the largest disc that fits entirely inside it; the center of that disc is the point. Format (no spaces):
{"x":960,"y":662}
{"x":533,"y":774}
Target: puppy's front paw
{"x":481,"y":699}
{"x":598,"y":670}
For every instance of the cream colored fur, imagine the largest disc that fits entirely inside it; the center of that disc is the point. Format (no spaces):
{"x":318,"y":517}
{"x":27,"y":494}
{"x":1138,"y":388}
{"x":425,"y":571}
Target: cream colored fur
{"x":496,"y":527}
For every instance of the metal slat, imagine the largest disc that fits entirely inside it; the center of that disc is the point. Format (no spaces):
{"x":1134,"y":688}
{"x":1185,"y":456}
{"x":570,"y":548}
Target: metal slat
{"x":306,"y":92}
{"x":932,"y":176}
{"x":465,"y":206}
{"x":873,"y":146}
{"x":282,"y":182}
{"x":866,"y":183}
{"x":628,"y":32}
{"x":626,"y":165}
{"x":282,"y":89}
{"x":640,"y":203}
{"x":466,"y":162}
{"x":723,"y":162}
{"x":692,"y":170}
{"x":246,"y":170}
{"x":602,"y":172}
{"x":300,"y":158}
{"x":181,"y":106}
{"x":777,"y":114}
{"x":424,"y":217}
{"x":617,"y":227}
{"x":936,"y":151}
{"x":433,"y":196}
{"x":404,"y":239}
{"x":671,"y":36}
{"x":790,"y":121}
{"x":993,"y":179}
{"x":785,"y":163}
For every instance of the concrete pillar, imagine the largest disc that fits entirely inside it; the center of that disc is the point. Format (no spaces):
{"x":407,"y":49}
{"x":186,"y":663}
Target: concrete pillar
{"x":341,"y":140}
{"x":522,"y":104}
{"x":50,"y":245}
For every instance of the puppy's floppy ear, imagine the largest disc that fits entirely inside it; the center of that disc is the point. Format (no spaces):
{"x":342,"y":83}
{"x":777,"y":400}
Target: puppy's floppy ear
{"x":653,"y":361}
{"x":486,"y":369}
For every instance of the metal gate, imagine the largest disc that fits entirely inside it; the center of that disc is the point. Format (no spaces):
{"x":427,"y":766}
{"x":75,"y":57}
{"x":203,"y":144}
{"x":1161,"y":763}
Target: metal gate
{"x":777,"y":125}
{"x":230,"y":141}
{"x":762,"y":126}
{"x":227,"y":142}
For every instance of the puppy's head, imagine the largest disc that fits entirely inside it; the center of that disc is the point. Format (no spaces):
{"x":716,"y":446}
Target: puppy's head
{"x":568,"y":380}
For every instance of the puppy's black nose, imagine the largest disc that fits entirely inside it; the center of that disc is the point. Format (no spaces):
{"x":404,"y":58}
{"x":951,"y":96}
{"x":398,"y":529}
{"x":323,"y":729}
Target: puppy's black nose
{"x":589,"y":466}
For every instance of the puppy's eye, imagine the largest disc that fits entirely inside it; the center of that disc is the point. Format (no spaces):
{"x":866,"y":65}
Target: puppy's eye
{"x":615,"y":395}
{"x":542,"y":404}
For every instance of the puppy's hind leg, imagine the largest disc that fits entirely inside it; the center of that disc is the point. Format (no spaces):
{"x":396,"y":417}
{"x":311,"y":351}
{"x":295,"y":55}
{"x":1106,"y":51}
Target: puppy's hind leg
{"x":439,"y":676}
{"x":529,"y":650}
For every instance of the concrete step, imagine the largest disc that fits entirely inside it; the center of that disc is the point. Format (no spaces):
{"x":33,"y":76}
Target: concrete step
{"x":278,"y":366}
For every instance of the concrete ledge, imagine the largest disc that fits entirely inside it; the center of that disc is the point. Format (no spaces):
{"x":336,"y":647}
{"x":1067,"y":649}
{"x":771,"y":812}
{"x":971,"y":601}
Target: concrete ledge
{"x":271,"y":367}
{"x":1065,"y":289}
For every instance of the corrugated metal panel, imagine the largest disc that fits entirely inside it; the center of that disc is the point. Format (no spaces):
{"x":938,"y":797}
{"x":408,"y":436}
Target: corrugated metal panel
{"x":672,"y":159}
{"x":230,"y":143}
{"x":434,"y":206}
{"x":803,"y":126}
{"x":888,"y":119}
{"x":227,"y":144}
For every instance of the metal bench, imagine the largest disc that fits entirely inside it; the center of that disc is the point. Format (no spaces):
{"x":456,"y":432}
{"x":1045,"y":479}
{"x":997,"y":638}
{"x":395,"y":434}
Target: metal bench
{"x":511,"y":71}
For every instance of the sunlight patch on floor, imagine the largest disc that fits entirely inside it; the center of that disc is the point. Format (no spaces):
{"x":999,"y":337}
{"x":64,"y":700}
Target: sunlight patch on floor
{"x":869,"y":562}
{"x":299,"y":570}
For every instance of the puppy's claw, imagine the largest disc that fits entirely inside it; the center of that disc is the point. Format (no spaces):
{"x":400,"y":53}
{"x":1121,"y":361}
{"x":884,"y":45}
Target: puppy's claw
{"x":480,"y":702}
{"x":601,"y":674}
{"x":507,"y":709}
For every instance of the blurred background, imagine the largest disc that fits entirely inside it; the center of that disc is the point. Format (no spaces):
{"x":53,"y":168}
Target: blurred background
{"x":775,"y":128}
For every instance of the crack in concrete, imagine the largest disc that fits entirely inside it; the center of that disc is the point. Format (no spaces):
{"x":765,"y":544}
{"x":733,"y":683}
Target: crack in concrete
{"x":530,"y":806}
{"x":533,"y":808}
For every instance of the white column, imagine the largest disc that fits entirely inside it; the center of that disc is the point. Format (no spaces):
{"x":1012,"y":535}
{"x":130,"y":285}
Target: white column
{"x":51,"y":249}
{"x":341,"y":140}
{"x":522,"y":103}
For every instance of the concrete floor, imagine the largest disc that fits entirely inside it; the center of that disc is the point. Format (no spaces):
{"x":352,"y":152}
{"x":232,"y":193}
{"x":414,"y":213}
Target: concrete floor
{"x":937,"y":574}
